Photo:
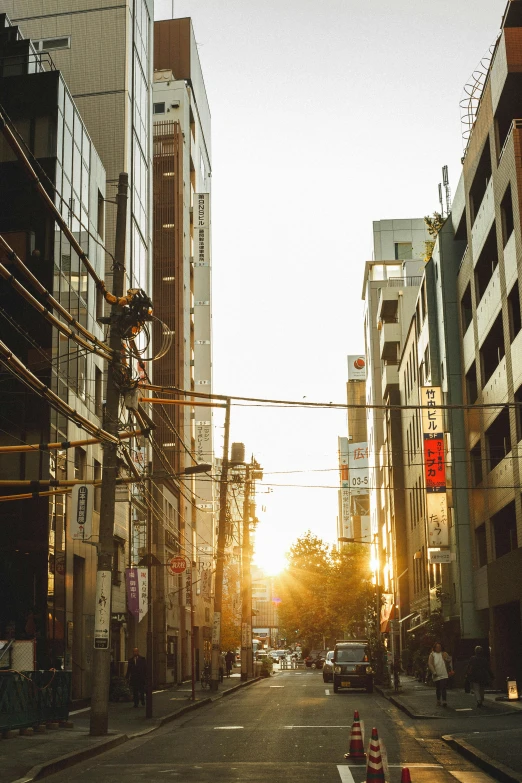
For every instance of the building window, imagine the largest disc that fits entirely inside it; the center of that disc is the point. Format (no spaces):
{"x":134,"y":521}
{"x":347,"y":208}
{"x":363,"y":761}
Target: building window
{"x":486,"y":264}
{"x":498,"y":439}
{"x":480,"y":181}
{"x":481,"y":545}
{"x":52,"y":44}
{"x":475,"y":461}
{"x":80,"y":463}
{"x":492,"y":351}
{"x":506,"y":211}
{"x":100,"y":223}
{"x":505,"y":530}
{"x":403,"y":251}
{"x":158,"y":108}
{"x":514,"y":312}
{"x":471,"y":384}
{"x":466,"y":310}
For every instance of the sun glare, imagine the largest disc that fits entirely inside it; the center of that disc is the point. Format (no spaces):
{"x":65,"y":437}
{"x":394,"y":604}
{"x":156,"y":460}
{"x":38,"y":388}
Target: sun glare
{"x":269,"y":556}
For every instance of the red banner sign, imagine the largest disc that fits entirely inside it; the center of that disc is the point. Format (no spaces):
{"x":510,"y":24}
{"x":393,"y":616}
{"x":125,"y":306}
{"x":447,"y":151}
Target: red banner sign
{"x":434,"y":464}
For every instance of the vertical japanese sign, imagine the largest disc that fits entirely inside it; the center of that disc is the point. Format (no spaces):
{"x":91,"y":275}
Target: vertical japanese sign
{"x":133,"y":597}
{"x":188,"y":586}
{"x":358,"y":468}
{"x":143,"y":585}
{"x":102,"y":618}
{"x":82,"y":499}
{"x":434,"y":467}
{"x":344,"y":492}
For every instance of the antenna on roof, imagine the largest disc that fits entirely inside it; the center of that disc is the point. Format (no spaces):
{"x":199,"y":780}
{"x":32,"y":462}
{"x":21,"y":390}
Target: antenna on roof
{"x":441,"y":202}
{"x":445,"y":182}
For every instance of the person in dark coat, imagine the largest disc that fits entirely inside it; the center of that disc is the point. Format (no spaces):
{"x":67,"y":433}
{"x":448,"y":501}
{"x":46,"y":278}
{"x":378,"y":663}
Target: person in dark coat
{"x":229,"y":660}
{"x":136,"y":675}
{"x":479,"y":674}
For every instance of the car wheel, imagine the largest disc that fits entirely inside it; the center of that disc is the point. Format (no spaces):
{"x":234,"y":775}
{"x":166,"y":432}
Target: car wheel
{"x":336,"y":687}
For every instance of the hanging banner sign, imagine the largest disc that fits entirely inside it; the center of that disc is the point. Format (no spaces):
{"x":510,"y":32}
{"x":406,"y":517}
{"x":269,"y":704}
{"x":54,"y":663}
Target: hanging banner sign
{"x":188,"y":587}
{"x":143,"y":584}
{"x":437,"y":515}
{"x":133,"y":598}
{"x":216,"y":630}
{"x":439,"y":556}
{"x":434,"y":463}
{"x":82,"y":500}
{"x":432,"y":419}
{"x":358,"y":468}
{"x":102,"y":617}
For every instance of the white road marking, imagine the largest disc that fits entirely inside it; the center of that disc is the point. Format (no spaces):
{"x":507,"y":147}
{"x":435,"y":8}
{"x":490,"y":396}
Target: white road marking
{"x":228,"y":727}
{"x":327,"y":691}
{"x":471,"y":777}
{"x":345,"y":774}
{"x":463,"y":709}
{"x":77,"y":712}
{"x":277,"y":686}
{"x":316,"y":727}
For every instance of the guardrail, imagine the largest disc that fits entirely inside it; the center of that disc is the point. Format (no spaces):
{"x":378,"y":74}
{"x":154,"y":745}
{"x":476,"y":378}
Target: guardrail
{"x":29,"y":698}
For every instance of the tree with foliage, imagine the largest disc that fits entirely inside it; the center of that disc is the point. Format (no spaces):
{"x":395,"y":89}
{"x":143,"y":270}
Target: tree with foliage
{"x":433,"y":224}
{"x":325,"y":594}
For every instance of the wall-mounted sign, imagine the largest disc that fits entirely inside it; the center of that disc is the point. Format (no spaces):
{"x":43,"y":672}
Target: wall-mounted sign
{"x":358,"y":468}
{"x":82,"y":500}
{"x":356,"y":368}
{"x":431,"y":400}
{"x":437,"y":517}
{"x":434,"y":463}
{"x":439,"y":556}
{"x":102,"y":616}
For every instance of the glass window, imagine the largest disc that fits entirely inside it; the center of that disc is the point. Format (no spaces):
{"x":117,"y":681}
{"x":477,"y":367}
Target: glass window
{"x":77,"y":170}
{"x":61,"y":93}
{"x":69,"y":111}
{"x":158,"y":108}
{"x":67,"y":152}
{"x":59,"y":136}
{"x":85,"y":187}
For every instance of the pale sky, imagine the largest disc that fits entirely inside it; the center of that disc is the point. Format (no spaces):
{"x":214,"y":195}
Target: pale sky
{"x":325,"y":117}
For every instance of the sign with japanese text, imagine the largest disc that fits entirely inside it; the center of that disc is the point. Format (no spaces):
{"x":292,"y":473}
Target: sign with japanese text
{"x":434,"y":463}
{"x":437,"y":516}
{"x":131,"y":582}
{"x":82,"y":499}
{"x":358,"y":468}
{"x":143,"y":583}
{"x":356,"y":368}
{"x":203,"y":447}
{"x":102,"y":617}
{"x":216,"y":630}
{"x":431,"y":400}
{"x":439,"y":556}
{"x":177,"y":564}
{"x":201,"y":229}
{"x":188,"y":587}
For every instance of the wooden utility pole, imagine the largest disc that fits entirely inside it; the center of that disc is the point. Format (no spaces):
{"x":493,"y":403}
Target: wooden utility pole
{"x":220,"y":555}
{"x":101,"y":662}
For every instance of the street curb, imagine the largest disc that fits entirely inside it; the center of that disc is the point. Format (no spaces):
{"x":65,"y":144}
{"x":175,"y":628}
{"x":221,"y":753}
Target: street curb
{"x":70,"y":759}
{"x":495,"y":768}
{"x":63,"y":762}
{"x":404,"y":708}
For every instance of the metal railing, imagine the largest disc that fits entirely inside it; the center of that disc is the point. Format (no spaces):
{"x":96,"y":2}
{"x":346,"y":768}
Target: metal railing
{"x":29,"y":698}
{"x":27,"y":63}
{"x":515,"y":124}
{"x":405,"y":282}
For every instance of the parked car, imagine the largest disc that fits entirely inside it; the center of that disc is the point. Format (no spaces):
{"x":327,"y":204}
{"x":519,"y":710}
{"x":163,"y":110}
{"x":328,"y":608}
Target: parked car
{"x":352,"y":665}
{"x":328,"y":667}
{"x":316,"y":659}
{"x":261,"y":655}
{"x":278,"y":655}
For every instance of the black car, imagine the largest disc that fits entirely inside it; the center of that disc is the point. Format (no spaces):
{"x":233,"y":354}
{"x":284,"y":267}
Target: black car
{"x":352,"y":666}
{"x":315,"y":659}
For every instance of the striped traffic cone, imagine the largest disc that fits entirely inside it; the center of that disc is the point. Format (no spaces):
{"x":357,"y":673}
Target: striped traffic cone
{"x":356,"y":740}
{"x":405,"y":775}
{"x":374,"y":766}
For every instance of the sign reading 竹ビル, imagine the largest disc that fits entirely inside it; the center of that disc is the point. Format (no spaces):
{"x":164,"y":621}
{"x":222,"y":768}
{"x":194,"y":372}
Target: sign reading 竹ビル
{"x":430,"y":401}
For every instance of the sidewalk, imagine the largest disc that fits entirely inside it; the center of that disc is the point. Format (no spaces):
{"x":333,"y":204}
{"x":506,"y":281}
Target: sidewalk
{"x":418,"y":701}
{"x":491,"y":750}
{"x":24,"y":758}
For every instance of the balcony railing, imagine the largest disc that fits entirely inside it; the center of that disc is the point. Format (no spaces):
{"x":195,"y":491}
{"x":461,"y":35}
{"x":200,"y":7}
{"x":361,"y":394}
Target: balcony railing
{"x":515,"y":124}
{"x":412,"y":281}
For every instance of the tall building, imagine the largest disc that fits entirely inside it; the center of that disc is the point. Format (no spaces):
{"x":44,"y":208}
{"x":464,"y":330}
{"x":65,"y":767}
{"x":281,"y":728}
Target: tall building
{"x":105,"y":55}
{"x":390,"y":288}
{"x":47,"y":575}
{"x":486,"y":216}
{"x":182,"y":286}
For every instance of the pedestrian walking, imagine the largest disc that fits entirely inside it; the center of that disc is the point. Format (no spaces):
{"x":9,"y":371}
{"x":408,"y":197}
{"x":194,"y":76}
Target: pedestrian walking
{"x":222,"y":666}
{"x":229,"y":660}
{"x":136,"y":675}
{"x":479,"y":674}
{"x":441,"y":668}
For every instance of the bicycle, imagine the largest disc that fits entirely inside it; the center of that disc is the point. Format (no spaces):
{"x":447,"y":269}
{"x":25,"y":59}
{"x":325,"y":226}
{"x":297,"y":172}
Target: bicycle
{"x":205,"y":676}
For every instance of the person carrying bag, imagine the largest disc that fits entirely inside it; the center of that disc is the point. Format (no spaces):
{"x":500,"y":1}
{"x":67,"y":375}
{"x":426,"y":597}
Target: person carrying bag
{"x":441,"y":668}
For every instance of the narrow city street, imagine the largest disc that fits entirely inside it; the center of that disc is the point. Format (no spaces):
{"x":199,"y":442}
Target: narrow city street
{"x":292,"y":728}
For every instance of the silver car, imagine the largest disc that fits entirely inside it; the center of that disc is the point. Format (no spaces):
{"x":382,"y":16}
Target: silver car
{"x":328,"y":667}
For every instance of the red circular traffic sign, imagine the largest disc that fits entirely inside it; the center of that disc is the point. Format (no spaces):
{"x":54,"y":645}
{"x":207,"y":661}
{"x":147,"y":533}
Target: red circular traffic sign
{"x":177,"y":565}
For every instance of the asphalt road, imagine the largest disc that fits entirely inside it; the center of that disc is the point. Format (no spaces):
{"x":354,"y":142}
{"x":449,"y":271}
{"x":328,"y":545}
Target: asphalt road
{"x":289,"y":728}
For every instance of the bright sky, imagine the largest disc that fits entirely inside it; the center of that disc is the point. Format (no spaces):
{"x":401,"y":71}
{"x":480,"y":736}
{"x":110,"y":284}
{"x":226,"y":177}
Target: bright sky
{"x":325,"y":116}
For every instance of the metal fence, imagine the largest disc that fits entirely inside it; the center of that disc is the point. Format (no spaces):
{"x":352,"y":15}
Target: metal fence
{"x":29,"y":698}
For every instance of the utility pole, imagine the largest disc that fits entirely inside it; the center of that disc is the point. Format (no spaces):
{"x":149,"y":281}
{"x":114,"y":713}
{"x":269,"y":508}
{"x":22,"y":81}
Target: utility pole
{"x":102,"y":611}
{"x":253,"y":471}
{"x":220,"y":555}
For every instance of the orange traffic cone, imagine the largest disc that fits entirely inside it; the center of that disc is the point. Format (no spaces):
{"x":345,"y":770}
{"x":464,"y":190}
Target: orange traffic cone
{"x":356,"y":740}
{"x":374,"y":767}
{"x":405,"y":775}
